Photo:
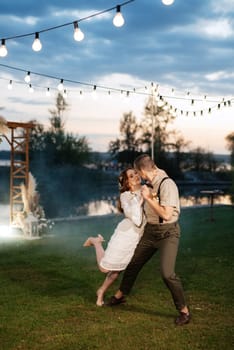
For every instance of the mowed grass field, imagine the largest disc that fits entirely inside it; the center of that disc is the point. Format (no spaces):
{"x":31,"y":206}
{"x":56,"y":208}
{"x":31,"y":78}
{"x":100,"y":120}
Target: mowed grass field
{"x":48,"y":286}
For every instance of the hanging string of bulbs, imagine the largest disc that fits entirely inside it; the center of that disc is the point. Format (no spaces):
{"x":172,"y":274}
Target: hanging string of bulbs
{"x":118,"y":21}
{"x":154,"y":90}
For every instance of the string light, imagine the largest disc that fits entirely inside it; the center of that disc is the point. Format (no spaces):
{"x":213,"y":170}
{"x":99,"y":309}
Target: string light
{"x":65,"y":94}
{"x":94,"y":92}
{"x":27,"y":78}
{"x":78,"y":34}
{"x":60,"y":85}
{"x":36,"y":46}
{"x":118,"y":20}
{"x":3,"y":49}
{"x":160,"y":99}
{"x":10,"y":85}
{"x":166,"y":107}
{"x":48,"y":92}
{"x":81,"y":96}
{"x":160,"y":102}
{"x":31,"y":90}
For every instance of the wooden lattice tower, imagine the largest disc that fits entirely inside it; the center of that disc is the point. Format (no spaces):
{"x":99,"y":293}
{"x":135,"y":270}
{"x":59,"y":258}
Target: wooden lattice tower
{"x":19,"y":170}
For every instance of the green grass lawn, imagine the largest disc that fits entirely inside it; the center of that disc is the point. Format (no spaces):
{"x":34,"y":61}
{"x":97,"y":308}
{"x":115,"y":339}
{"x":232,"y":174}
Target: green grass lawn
{"x":47,"y":298}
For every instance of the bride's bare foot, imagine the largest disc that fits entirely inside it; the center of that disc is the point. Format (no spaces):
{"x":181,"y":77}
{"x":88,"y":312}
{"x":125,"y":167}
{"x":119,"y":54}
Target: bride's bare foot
{"x":92,"y":240}
{"x":88,"y":242}
{"x":100,"y":297}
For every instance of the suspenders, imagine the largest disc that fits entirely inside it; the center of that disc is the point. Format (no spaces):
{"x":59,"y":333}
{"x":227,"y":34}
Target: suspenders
{"x":158,"y":195}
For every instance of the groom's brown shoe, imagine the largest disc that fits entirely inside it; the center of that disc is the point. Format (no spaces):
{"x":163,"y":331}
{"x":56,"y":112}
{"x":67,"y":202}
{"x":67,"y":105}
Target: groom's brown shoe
{"x":116,"y":301}
{"x":183,"y":319}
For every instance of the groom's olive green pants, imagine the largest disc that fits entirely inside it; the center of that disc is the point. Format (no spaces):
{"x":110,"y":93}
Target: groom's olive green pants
{"x":165,"y":238}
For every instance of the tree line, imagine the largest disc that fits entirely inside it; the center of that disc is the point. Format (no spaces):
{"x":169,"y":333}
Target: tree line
{"x":153,"y":134}
{"x":58,"y":159}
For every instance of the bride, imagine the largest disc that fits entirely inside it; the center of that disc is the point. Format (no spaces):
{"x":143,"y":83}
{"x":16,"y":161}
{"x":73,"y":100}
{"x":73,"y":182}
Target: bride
{"x":126,"y":236}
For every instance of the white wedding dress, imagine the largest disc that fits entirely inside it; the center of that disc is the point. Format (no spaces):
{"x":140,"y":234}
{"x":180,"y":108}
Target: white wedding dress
{"x":127,"y":234}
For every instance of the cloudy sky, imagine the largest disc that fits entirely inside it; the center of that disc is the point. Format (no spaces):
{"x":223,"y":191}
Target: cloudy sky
{"x":186,"y":48}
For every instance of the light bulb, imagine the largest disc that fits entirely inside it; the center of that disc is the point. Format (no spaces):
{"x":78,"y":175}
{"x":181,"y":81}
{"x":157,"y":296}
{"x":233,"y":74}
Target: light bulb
{"x":94,"y":92}
{"x":48,"y":92}
{"x":27,"y":78}
{"x":81,"y":96}
{"x":161,"y":101}
{"x":65,"y":94}
{"x":167,"y":2}
{"x":10,"y":85}
{"x":3,"y":49}
{"x":78,"y":34}
{"x":31,"y":90}
{"x":36,"y":46}
{"x":60,"y":85}
{"x":118,"y":20}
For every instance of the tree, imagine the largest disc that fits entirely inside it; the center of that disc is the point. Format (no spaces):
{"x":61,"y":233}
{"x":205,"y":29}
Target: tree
{"x":127,"y":147}
{"x":57,"y":119}
{"x":154,"y":127}
{"x":200,"y":160}
{"x":55,"y":146}
{"x":165,"y":144}
{"x":152,"y":135}
{"x":230,"y":145}
{"x":178,"y":146}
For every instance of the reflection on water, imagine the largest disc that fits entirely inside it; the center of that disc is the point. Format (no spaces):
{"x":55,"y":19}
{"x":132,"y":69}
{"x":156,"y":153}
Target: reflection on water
{"x":108,"y":206}
{"x":103,"y":206}
{"x":204,"y":200}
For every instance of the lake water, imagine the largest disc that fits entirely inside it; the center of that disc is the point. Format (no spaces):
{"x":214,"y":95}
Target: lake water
{"x":107,"y":205}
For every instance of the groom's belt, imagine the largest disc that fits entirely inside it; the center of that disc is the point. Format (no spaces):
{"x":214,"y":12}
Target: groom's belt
{"x":164,"y":225}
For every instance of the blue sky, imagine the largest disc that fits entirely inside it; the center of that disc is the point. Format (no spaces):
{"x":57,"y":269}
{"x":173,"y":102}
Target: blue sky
{"x":185,"y":47}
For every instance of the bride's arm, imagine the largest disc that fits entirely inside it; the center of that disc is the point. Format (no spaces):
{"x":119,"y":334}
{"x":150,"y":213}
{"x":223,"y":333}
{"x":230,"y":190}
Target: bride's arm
{"x":132,"y":207}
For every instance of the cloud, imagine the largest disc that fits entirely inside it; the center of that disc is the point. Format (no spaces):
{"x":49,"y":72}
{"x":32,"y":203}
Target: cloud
{"x":28,"y":20}
{"x":81,"y":14}
{"x":206,"y":28}
{"x":222,"y":7}
{"x":216,"y":29}
{"x":219,"y":75}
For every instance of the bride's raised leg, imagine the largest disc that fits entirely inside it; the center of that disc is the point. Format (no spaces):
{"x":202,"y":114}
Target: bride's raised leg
{"x":93,"y":240}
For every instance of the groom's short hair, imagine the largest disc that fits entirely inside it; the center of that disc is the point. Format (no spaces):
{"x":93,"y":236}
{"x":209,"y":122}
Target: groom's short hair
{"x":144,"y":162}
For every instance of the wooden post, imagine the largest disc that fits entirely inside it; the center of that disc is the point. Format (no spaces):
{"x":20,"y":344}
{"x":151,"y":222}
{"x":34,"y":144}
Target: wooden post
{"x":19,"y":171}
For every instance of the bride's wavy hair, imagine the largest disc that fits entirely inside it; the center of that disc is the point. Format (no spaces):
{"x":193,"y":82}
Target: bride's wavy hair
{"x":123,"y":185}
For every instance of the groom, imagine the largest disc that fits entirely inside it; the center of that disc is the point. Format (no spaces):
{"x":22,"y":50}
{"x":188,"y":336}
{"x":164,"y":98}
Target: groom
{"x":161,"y":233}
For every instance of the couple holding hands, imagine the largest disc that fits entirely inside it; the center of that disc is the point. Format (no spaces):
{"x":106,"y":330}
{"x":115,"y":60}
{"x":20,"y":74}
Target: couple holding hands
{"x":150,"y":224}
